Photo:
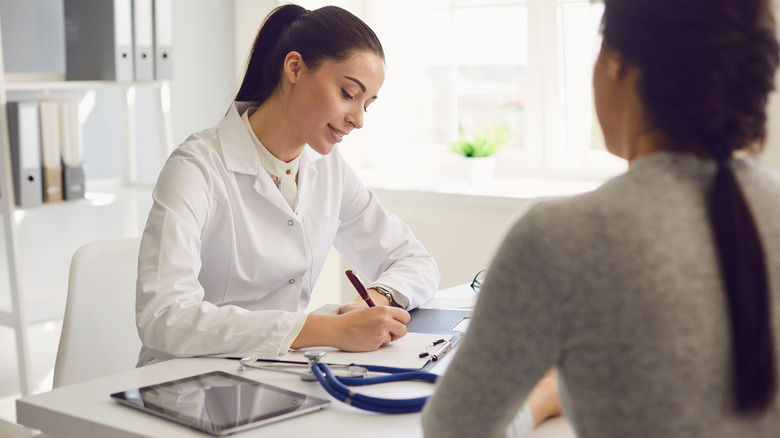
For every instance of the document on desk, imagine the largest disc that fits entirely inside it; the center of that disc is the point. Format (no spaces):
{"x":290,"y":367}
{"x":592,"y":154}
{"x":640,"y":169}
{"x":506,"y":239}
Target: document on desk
{"x":460,"y":297}
{"x":403,"y":353}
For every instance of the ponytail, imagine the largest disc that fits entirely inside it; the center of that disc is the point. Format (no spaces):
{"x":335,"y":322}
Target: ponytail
{"x":263,"y":80}
{"x":742,"y":263}
{"x":327,"y":33}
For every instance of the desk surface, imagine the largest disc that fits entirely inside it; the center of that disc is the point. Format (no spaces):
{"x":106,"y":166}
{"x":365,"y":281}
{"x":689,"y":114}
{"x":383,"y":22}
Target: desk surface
{"x":85,"y":409}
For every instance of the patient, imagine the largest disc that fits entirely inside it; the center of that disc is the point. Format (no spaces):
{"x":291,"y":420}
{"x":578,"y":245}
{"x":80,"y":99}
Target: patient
{"x":650,"y":296}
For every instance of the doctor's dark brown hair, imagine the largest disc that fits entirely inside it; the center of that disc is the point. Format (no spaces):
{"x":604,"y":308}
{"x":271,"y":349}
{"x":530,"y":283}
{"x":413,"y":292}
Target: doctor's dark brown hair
{"x":328,"y":33}
{"x":706,"y":70}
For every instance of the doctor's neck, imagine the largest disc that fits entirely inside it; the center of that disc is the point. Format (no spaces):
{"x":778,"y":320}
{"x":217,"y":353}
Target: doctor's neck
{"x":275,"y":127}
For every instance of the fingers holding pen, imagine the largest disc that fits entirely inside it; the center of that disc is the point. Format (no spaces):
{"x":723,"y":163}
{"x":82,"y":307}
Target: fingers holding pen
{"x":370,"y":328}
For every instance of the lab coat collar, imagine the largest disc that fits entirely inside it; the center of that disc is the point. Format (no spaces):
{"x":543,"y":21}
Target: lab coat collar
{"x":240,"y":155}
{"x":238,"y":149}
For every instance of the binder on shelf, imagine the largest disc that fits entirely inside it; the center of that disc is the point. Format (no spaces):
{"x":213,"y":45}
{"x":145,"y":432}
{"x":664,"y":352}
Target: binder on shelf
{"x":163,"y":39}
{"x":51,"y":150}
{"x":24,"y":131}
{"x":72,"y":150}
{"x":99,"y":40}
{"x":33,"y":37}
{"x":143,"y":44}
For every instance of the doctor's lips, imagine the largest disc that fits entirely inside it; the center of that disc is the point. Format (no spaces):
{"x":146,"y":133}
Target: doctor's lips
{"x":338,"y":132}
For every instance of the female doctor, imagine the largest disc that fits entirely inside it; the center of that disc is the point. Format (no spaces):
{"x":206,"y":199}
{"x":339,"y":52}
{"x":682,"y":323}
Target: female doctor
{"x":244,"y":213}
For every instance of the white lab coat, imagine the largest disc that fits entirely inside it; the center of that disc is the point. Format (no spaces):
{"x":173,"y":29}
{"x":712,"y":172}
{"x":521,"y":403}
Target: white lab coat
{"x":226,"y":266}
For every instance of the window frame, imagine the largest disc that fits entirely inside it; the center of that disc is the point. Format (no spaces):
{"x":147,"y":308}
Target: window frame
{"x":546,"y":153}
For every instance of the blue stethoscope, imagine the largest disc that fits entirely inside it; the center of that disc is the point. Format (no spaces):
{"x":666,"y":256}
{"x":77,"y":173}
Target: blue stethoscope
{"x":338,"y":386}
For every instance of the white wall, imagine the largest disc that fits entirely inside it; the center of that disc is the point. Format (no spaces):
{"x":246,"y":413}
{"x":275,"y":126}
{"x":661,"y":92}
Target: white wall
{"x":204,"y":70}
{"x":462,"y":232}
{"x":772,"y":152}
{"x":248,"y":16}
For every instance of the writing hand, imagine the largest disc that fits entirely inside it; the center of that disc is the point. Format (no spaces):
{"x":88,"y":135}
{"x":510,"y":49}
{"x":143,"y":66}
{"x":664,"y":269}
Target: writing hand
{"x":370,"y":328}
{"x":359,"y":304}
{"x":365,"y":329}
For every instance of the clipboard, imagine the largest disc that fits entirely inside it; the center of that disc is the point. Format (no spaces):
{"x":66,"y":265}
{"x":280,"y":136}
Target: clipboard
{"x":441,"y":321}
{"x":437,"y":320}
{"x":430,"y":321}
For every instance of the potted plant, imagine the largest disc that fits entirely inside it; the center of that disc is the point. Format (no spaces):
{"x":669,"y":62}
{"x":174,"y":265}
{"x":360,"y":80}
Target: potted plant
{"x":478,"y":149}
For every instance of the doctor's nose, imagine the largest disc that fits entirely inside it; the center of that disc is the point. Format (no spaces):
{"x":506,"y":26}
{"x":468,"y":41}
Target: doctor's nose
{"x":355,"y":120}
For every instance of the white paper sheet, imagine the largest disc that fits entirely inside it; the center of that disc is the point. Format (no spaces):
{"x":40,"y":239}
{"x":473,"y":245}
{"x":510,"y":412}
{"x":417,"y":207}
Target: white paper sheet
{"x":403,"y":353}
{"x":456,"y":297}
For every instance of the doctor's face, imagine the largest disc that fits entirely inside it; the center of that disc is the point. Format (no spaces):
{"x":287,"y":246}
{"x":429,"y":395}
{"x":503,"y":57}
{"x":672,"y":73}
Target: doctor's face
{"x":331,"y":101}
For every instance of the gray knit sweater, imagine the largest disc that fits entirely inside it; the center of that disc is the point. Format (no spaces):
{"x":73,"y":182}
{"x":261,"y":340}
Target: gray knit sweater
{"x":620,"y":290}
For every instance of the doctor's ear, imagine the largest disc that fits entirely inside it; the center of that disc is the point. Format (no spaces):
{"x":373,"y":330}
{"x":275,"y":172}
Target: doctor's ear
{"x":293,"y":67}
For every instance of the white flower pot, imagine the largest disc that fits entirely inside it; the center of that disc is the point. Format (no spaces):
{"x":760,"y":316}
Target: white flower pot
{"x":480,"y":169}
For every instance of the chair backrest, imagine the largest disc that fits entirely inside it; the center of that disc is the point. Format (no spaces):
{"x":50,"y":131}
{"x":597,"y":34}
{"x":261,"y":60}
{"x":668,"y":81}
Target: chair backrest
{"x":99,"y":335}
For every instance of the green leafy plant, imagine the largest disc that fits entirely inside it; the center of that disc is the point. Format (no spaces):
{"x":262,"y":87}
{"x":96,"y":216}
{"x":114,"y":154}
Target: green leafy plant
{"x":483,"y":144}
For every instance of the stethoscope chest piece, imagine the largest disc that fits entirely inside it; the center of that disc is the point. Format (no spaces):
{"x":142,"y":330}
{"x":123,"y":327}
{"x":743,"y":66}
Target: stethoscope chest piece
{"x":314,"y":358}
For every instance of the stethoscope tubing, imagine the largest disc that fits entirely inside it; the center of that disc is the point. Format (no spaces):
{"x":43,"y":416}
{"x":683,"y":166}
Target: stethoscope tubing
{"x":335,"y":386}
{"x":393,"y":375}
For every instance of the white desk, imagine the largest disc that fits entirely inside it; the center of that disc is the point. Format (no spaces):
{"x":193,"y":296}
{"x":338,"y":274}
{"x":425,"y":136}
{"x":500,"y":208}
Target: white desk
{"x":85,"y":409}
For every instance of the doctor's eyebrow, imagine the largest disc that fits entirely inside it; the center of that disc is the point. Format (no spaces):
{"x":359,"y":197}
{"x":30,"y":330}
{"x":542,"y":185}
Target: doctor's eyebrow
{"x":362,"y":87}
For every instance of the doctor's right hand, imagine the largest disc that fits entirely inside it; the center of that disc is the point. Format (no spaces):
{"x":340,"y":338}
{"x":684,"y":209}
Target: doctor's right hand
{"x":370,"y":328}
{"x":361,"y":330}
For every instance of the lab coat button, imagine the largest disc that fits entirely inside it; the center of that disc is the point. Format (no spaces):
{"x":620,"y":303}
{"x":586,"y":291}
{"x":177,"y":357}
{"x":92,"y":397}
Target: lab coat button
{"x":292,"y":280}
{"x":290,"y":223}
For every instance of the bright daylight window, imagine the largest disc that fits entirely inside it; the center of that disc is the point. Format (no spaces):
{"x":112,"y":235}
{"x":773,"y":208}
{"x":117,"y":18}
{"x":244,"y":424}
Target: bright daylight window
{"x":463,"y":66}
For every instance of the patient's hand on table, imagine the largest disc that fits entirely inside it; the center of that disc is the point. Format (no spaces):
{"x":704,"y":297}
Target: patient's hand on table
{"x":543,"y":400}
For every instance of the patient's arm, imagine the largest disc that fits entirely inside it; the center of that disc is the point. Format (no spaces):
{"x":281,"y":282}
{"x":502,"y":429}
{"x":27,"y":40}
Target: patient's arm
{"x":543,"y":400}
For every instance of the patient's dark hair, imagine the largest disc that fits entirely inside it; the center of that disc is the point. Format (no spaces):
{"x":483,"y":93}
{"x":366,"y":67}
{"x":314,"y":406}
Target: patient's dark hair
{"x":706,"y":70}
{"x":328,"y":33}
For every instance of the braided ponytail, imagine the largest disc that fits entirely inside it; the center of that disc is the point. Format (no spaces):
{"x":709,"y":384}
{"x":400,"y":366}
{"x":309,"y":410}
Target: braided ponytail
{"x":742,"y":263}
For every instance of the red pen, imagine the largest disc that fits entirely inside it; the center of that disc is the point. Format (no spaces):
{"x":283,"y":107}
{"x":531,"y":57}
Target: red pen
{"x":360,"y":288}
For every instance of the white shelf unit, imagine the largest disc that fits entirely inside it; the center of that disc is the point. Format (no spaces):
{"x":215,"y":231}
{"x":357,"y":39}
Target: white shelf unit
{"x":20,"y":316}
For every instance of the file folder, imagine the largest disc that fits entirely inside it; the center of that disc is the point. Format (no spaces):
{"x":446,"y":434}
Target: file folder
{"x":51,"y":150}
{"x":99,"y":40}
{"x":34,"y":35}
{"x":143,"y":40}
{"x":436,"y":320}
{"x":163,"y":39}
{"x":72,"y":150}
{"x":24,"y":131}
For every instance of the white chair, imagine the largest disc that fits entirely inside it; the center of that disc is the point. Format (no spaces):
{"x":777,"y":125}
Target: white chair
{"x":99,"y":335}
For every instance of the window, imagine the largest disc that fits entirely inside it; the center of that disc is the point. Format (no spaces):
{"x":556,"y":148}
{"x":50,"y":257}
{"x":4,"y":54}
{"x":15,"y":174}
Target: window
{"x":461,"y":66}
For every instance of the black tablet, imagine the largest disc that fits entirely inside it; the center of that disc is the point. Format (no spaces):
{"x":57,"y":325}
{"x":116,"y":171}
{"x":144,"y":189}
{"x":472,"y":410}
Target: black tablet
{"x":219,"y":403}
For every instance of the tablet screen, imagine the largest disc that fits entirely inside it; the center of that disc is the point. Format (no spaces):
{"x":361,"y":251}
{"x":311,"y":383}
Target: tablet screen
{"x":219,"y":403}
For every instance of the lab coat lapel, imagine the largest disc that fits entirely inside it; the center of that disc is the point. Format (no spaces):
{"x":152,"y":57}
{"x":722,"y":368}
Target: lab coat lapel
{"x":240,"y":156}
{"x":265,"y":186}
{"x":307,"y":174}
{"x":238,"y":150}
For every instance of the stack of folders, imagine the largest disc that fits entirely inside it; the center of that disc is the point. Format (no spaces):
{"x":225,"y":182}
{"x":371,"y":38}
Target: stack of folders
{"x":119,"y":40}
{"x":46,"y":149}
